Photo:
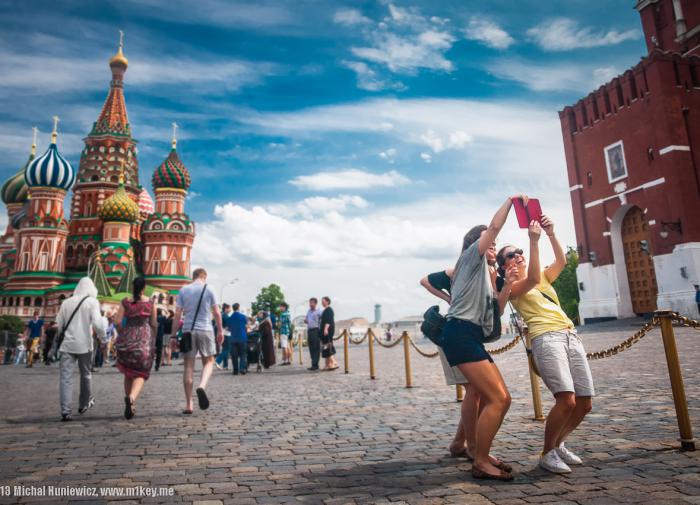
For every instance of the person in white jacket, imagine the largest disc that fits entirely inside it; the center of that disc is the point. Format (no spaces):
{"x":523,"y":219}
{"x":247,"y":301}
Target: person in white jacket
{"x":78,"y":317}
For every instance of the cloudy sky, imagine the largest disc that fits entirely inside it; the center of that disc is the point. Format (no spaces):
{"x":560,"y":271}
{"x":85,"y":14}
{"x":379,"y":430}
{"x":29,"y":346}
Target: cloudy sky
{"x":336,"y":148}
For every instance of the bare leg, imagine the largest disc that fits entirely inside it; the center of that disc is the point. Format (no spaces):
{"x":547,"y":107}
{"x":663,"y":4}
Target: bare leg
{"x":187,"y":382}
{"x":207,"y":367}
{"x":583,"y":407}
{"x":466,"y":430}
{"x":494,"y":403}
{"x":127,"y":385}
{"x":557,"y":419}
{"x":136,"y":387}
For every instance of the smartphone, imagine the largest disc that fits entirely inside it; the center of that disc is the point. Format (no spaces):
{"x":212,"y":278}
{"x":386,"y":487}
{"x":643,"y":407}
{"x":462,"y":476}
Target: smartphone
{"x":533,"y":211}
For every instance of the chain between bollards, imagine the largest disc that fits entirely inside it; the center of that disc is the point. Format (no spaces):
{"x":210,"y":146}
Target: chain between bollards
{"x":666,"y":318}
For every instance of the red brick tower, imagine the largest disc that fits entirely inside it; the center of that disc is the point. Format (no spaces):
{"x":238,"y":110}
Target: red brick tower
{"x":168,"y":233}
{"x":108,"y":145}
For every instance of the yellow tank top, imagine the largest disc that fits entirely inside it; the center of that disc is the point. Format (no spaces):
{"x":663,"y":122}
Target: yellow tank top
{"x":540,"y":314}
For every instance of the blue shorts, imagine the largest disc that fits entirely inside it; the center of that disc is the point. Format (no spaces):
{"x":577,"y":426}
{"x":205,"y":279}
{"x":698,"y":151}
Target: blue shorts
{"x":462,"y":342}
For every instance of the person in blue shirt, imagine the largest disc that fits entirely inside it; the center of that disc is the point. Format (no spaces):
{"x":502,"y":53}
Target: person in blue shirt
{"x":236,"y":324}
{"x":33,"y":333}
{"x":225,"y":347}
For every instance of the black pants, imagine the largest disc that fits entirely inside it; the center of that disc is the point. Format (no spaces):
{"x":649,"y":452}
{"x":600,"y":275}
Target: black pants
{"x":159,"y":351}
{"x":239,"y":357}
{"x":314,"y":345}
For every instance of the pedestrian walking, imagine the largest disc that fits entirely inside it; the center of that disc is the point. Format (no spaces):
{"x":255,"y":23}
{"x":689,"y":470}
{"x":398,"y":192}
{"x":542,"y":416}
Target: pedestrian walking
{"x":168,"y":336}
{"x":49,"y":337}
{"x":238,"y":326}
{"x":327,"y":332}
{"x":557,"y":350}
{"x":33,"y":335}
{"x":161,"y":319}
{"x":195,"y":302}
{"x":136,"y":343}
{"x":313,"y":324}
{"x":226,"y":346}
{"x":285,"y":332}
{"x":78,"y":317}
{"x":267,"y":340}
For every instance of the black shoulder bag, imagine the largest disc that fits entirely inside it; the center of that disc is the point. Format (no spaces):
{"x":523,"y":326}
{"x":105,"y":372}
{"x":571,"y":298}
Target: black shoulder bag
{"x":62,"y":334}
{"x":186,"y":342}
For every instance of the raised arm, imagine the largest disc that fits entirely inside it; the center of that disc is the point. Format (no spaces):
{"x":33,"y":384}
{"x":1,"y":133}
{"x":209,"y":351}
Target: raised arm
{"x":533,"y":269}
{"x":553,"y":270}
{"x":497,"y":222}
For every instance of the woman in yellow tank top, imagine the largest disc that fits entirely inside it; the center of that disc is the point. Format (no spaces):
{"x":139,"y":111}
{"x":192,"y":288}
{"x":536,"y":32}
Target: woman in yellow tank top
{"x":557,"y":350}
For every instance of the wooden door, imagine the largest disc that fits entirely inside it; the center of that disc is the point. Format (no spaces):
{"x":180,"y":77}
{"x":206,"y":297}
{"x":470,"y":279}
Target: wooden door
{"x":640,"y":267}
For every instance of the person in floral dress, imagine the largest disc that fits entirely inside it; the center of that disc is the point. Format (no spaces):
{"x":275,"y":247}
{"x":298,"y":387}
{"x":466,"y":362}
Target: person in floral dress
{"x":135,"y":343}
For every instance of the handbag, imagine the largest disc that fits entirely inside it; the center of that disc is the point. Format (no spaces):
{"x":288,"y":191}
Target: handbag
{"x":62,"y":334}
{"x":432,"y":325}
{"x":328,"y":350}
{"x":496,"y":331}
{"x":186,"y":342}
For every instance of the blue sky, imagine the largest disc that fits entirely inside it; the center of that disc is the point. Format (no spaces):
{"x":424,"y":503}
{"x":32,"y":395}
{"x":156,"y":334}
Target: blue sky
{"x":335,"y":148}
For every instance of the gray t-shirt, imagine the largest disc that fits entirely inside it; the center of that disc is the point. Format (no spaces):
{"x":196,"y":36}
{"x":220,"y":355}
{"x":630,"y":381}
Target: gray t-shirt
{"x":188,"y":297}
{"x":472,"y":293}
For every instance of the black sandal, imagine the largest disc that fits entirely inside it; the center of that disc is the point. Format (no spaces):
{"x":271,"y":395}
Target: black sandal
{"x":202,"y":399}
{"x":187,"y":412}
{"x":128,"y":408}
{"x":480,"y":474}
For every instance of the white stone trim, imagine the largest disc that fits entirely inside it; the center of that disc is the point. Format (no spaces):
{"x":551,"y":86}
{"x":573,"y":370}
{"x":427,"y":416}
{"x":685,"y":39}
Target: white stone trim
{"x":606,"y":233}
{"x":646,"y":185}
{"x":652,"y":222}
{"x":575,"y":187}
{"x":669,"y":149}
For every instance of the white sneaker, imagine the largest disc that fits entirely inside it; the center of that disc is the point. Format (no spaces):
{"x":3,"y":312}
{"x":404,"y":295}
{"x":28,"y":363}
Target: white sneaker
{"x":567,"y":456}
{"x":218,"y":367}
{"x":553,"y":463}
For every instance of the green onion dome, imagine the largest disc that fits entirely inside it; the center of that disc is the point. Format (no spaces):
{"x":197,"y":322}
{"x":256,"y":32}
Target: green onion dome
{"x":15,"y":188}
{"x":172,"y":173}
{"x":119,"y":207}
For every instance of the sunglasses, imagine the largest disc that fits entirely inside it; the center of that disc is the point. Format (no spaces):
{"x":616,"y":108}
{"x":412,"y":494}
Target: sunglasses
{"x":512,"y":254}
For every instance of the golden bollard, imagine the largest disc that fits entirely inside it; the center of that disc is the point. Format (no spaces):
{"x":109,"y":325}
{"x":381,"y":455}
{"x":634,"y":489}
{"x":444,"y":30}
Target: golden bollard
{"x":370,"y":337}
{"x":460,"y":392}
{"x":407,"y":359}
{"x":534,"y":383}
{"x":674,"y":373}
{"x":346,"y":351}
{"x":301,"y":347}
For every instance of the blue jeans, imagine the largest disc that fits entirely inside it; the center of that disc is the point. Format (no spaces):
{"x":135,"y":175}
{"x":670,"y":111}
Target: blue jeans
{"x":223,"y":355}
{"x":239,"y":356}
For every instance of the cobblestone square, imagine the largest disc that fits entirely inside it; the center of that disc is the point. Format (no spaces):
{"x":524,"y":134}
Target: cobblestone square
{"x":292,"y":436}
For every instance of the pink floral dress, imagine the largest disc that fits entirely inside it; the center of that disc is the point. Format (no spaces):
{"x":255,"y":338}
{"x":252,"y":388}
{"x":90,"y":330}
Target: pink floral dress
{"x":136,"y":343}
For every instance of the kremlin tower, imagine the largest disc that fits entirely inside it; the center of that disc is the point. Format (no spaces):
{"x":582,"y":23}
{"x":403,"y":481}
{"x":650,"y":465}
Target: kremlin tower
{"x":115,"y":233}
{"x":168,"y":233}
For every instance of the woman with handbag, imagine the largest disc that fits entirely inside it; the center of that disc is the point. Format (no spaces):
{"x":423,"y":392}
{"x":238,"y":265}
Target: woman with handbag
{"x":557,"y":351}
{"x":77,"y":318}
{"x":470,"y":320}
{"x":136,"y":343}
{"x":267,"y":341}
{"x":327,"y":332}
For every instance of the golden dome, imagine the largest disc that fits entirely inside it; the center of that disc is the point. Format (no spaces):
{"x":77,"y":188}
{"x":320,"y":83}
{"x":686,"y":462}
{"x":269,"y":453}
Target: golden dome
{"x":119,"y":59}
{"x":119,"y":207}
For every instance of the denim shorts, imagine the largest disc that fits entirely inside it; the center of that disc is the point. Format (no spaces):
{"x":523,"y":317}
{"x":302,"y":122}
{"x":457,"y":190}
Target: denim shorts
{"x":462,"y":342}
{"x":562,"y":363}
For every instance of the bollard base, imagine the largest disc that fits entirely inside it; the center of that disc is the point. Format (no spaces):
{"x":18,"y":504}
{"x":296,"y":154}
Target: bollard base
{"x":541,"y":419}
{"x":687,"y":445}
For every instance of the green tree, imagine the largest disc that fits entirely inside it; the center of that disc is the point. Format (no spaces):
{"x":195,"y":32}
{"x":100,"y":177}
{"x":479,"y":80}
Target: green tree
{"x":566,"y":286}
{"x":269,"y":299}
{"x":11,"y":323}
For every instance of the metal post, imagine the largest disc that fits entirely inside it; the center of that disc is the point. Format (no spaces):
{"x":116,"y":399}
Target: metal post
{"x":370,"y":337}
{"x":346,"y":351}
{"x":407,"y":359}
{"x":534,"y":384}
{"x":301,"y":347}
{"x":674,"y":373}
{"x":460,"y":392}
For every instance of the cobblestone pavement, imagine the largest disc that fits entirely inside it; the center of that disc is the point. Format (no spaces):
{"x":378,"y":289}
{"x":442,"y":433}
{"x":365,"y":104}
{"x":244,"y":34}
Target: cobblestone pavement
{"x":288,"y":435}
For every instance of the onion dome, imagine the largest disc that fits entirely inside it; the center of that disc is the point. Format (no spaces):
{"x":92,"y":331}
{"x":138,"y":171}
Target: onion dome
{"x":119,"y":207}
{"x":50,"y":169}
{"x":146,"y":202}
{"x":172,"y":173}
{"x":15,"y":188}
{"x":21,"y":215}
{"x":119,"y":59}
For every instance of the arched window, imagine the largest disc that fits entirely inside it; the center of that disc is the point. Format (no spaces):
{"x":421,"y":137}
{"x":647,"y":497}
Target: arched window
{"x":27,"y":301}
{"x":89,"y":250}
{"x":88,"y":209}
{"x":38,"y":301}
{"x":11,"y":301}
{"x":95,"y":178}
{"x":69,"y":251}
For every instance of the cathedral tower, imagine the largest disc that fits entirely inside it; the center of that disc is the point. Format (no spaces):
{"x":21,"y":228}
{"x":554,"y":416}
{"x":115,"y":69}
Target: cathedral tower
{"x":108,"y":146}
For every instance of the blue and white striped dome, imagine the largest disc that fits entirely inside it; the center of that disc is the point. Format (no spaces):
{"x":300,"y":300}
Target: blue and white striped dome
{"x":50,"y":170}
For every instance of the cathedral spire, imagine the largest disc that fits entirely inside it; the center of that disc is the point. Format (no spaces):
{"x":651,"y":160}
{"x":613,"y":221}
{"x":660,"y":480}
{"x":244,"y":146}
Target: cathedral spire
{"x":113,"y":119}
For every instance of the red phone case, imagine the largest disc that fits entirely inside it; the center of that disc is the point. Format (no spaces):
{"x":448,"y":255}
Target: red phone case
{"x":533,"y":211}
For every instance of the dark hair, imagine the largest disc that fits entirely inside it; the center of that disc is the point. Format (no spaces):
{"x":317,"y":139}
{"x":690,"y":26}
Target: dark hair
{"x":138,"y":286}
{"x":285,"y":305}
{"x":236,"y":306}
{"x":327,"y":299}
{"x":501,"y":256}
{"x":313,"y":299}
{"x":225,"y":306}
{"x":199,"y":272}
{"x":473,"y":235}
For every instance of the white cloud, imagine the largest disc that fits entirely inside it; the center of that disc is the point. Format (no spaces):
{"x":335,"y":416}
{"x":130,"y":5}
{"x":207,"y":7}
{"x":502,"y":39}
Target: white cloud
{"x":318,"y":205}
{"x":489,"y":33}
{"x":389,"y":155}
{"x":563,"y":34}
{"x":348,"y":179}
{"x":426,"y":157}
{"x":552,"y":77}
{"x":350,"y":17}
{"x":369,"y":80}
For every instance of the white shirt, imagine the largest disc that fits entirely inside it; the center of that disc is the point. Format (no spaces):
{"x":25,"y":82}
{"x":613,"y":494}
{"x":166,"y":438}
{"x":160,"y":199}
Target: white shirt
{"x":78,"y":336}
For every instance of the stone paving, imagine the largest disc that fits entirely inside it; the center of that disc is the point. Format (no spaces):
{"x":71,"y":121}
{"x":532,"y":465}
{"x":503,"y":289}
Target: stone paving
{"x":292,"y":436}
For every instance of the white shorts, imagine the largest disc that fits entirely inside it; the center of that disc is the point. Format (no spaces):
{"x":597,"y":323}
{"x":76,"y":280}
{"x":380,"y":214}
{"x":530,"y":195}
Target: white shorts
{"x":204,"y":343}
{"x":452,"y":374}
{"x":562,"y":363}
{"x":284,"y":341}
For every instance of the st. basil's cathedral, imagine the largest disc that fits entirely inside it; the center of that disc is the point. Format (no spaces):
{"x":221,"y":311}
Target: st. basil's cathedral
{"x":115,"y":231}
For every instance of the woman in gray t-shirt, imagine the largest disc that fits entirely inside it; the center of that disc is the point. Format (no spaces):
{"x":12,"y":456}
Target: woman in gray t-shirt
{"x":469,"y":319}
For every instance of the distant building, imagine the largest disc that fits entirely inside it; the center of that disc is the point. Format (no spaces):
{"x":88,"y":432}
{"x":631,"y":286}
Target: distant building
{"x":377,"y":314}
{"x":355,"y":326}
{"x":632,"y":153}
